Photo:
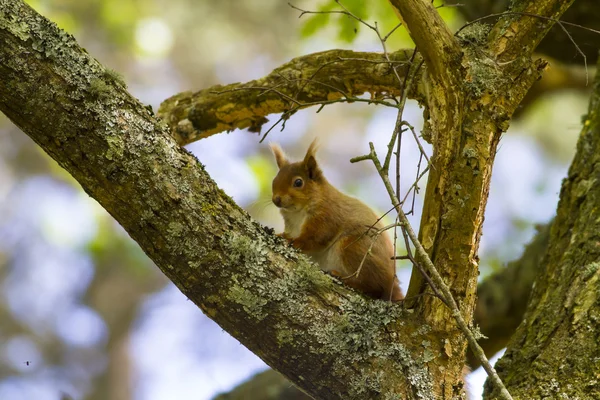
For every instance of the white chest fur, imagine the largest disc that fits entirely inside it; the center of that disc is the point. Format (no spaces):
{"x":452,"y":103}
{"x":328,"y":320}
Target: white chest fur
{"x":328,"y":259}
{"x":293,"y":222}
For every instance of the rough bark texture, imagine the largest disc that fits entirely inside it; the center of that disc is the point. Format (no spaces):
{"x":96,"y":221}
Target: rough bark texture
{"x":557,"y":43}
{"x":501,"y":301}
{"x":304,"y":81}
{"x":326,"y":338}
{"x":503,"y":296}
{"x":555,"y":352}
{"x":469,"y":105}
{"x":267,"y":385}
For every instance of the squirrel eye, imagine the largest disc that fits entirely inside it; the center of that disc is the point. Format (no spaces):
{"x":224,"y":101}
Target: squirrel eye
{"x":298,"y":183}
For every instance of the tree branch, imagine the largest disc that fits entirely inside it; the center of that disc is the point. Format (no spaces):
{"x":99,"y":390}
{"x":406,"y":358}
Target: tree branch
{"x":304,"y":81}
{"x":556,"y":43}
{"x":433,"y":38}
{"x":502,"y":299}
{"x":513,"y":33}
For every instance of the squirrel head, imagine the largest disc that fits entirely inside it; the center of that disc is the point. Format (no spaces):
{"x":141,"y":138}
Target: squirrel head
{"x":297,"y":184}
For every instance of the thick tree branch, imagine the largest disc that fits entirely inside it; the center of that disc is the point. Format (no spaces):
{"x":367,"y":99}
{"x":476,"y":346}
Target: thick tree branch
{"x":323,"y":336}
{"x":555,"y":351}
{"x":556,"y":43}
{"x":433,"y":38}
{"x":515,"y":33}
{"x":470,"y":103}
{"x":305,"y":81}
{"x":502,"y":299}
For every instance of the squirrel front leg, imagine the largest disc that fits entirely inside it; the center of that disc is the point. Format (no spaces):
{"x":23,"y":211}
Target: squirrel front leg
{"x":313,"y":237}
{"x":284,"y":236}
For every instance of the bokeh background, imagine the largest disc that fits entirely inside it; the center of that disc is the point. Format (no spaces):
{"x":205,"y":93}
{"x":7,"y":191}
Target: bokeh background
{"x":85,"y":315}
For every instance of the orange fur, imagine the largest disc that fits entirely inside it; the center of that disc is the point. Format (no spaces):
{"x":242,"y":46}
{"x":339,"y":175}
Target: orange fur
{"x":336,"y":230}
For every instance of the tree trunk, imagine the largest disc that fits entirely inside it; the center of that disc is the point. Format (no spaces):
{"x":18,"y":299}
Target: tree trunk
{"x":555,"y":352}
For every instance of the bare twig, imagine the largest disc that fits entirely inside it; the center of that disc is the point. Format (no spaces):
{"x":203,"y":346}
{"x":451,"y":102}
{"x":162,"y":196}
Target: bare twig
{"x":373,"y":240}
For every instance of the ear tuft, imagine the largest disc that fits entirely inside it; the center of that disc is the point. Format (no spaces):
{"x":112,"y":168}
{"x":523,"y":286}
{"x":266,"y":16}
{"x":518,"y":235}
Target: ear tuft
{"x":310,"y":162}
{"x":280,"y":157}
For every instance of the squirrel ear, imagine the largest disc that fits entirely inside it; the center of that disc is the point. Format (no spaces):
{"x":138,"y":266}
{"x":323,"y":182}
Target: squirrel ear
{"x":280,"y":157}
{"x":310,"y":162}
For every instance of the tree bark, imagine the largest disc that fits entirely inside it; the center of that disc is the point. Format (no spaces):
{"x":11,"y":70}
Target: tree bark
{"x":555,"y":352}
{"x":502,"y":297}
{"x":557,"y":44}
{"x":501,"y":301}
{"x":310,"y":80}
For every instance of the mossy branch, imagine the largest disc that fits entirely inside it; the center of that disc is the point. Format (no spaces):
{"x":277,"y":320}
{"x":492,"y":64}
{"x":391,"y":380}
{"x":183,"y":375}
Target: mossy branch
{"x":310,"y":80}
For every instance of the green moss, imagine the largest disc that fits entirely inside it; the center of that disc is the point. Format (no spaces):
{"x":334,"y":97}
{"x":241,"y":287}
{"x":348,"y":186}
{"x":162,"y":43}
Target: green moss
{"x":99,"y":89}
{"x":116,"y":77}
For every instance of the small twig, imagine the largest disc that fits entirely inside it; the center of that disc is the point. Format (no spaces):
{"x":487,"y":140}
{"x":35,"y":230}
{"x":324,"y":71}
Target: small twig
{"x":386,"y":37}
{"x":369,"y":228}
{"x":415,"y":184}
{"x":372,"y":61}
{"x":587,"y":77}
{"x":406,"y":85}
{"x":271,"y":128}
{"x":416,"y":187}
{"x":373,"y":240}
{"x":412,"y":129}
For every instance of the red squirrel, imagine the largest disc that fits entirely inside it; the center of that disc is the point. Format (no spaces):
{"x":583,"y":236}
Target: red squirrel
{"x":337,"y":231}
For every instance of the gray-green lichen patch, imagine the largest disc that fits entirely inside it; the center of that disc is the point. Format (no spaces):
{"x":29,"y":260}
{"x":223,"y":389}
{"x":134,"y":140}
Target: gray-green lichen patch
{"x":18,"y":28}
{"x":483,"y":76}
{"x":591,"y":269}
{"x":477,"y":333}
{"x":469,"y":152}
{"x":583,"y":187}
{"x":250,"y":291}
{"x":251,"y":303}
{"x":474,"y":34}
{"x":115,"y":149}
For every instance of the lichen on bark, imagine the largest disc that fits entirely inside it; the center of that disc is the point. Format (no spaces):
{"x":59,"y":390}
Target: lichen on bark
{"x":555,"y":352}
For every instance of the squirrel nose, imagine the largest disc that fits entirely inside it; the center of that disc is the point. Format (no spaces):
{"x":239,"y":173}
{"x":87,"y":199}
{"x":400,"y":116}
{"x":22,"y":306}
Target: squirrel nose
{"x":277,"y":200}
